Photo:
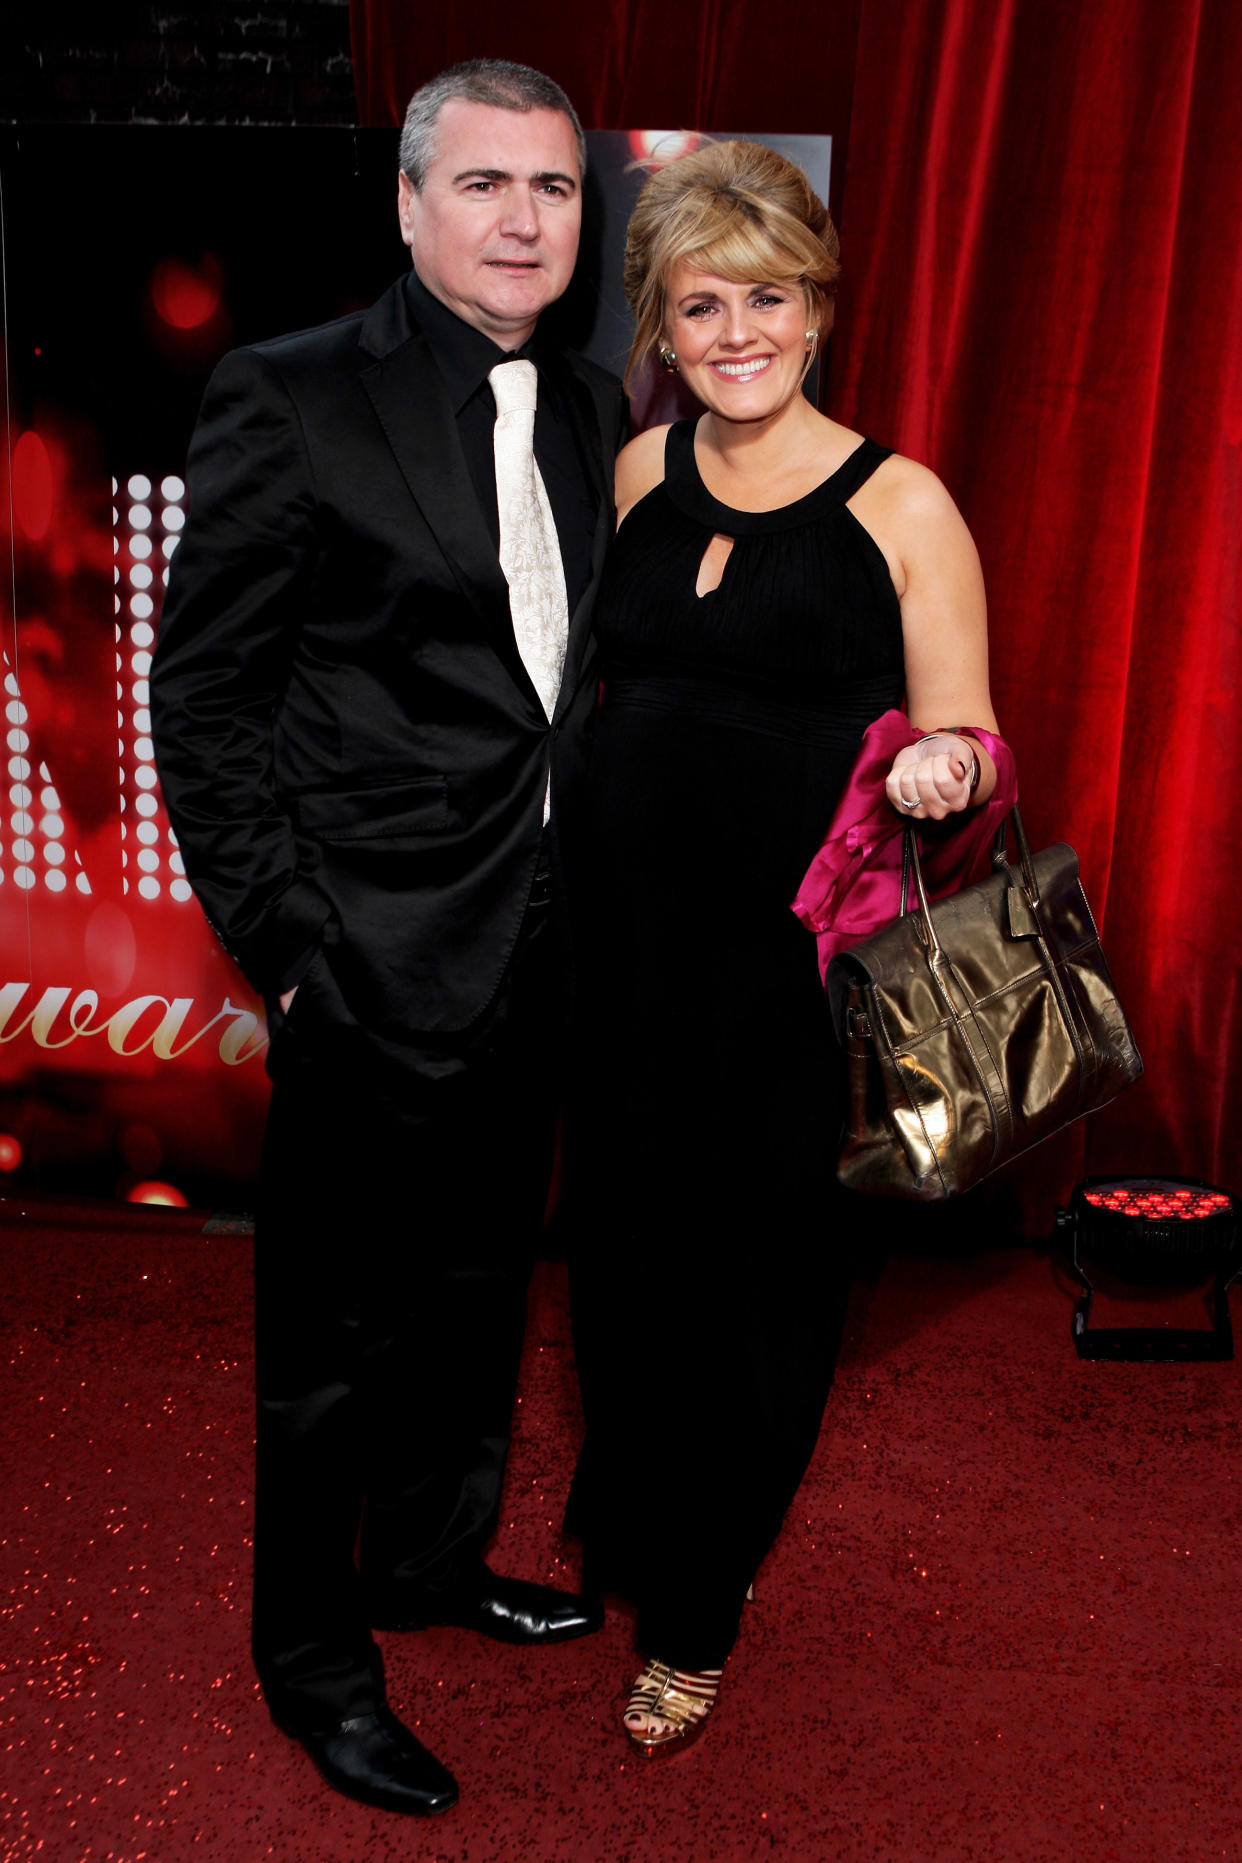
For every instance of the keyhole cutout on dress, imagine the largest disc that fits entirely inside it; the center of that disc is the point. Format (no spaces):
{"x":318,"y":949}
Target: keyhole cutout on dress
{"x":712,"y":566}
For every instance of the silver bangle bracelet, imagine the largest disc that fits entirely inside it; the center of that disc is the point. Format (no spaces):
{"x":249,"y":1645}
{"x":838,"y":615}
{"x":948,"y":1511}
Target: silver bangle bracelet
{"x":945,"y":731}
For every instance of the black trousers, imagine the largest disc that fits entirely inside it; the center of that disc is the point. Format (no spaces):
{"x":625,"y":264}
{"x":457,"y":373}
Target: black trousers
{"x":401,"y":1197}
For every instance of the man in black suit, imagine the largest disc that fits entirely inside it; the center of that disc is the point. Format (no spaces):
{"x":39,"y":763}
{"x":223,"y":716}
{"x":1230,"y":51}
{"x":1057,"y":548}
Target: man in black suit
{"x":371,"y":772}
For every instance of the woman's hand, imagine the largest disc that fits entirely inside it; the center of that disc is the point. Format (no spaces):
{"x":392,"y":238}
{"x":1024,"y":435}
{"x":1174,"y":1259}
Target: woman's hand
{"x":933,"y":778}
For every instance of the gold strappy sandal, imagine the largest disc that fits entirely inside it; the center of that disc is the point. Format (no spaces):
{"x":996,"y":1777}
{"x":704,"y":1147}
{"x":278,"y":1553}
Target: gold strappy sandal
{"x":682,"y":1697}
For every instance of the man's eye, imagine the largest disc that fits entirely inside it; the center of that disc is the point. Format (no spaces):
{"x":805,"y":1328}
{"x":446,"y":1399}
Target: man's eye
{"x":555,"y":189}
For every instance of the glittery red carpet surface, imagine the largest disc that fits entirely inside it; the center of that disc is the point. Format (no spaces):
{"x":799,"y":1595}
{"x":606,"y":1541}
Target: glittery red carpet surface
{"x":1002,"y":1622}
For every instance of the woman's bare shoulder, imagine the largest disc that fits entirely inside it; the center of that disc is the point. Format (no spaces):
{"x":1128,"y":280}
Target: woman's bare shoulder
{"x":911,"y":489}
{"x":640,"y":465}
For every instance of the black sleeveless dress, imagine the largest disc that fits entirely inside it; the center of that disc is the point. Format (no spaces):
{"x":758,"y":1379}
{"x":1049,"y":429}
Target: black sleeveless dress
{"x":710,"y":1266}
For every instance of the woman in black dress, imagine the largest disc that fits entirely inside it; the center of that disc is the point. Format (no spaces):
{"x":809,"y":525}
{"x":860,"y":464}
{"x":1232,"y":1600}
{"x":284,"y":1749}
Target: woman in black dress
{"x":777,"y":582}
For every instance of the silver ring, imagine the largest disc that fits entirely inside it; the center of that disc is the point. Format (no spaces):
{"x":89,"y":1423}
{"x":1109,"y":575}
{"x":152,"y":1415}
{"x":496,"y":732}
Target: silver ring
{"x":911,"y":805}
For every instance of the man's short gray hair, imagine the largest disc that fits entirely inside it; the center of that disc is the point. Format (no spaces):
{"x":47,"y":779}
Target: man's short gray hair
{"x":494,"y":81}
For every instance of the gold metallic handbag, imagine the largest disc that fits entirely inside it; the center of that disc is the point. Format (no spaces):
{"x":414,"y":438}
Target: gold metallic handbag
{"x":977,"y":1027}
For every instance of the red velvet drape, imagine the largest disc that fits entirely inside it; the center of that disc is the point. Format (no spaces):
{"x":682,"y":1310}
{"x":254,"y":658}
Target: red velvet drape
{"x":1041,"y":216}
{"x":634,"y":64}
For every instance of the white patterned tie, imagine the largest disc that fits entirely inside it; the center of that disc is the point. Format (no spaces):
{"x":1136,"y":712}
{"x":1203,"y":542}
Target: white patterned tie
{"x":530,"y":553}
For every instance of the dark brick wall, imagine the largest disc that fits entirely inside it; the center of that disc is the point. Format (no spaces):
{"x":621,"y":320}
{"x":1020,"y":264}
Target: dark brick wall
{"x":149,"y":63}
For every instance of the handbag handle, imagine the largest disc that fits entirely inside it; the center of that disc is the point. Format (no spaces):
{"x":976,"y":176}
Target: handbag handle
{"x":910,"y":864}
{"x":1000,"y":856}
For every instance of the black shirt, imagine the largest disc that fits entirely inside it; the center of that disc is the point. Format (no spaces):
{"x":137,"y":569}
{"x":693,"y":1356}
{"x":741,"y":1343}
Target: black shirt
{"x":464,"y":357}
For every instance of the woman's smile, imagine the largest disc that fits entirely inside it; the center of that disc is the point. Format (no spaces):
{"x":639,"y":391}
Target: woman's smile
{"x":741,"y":371}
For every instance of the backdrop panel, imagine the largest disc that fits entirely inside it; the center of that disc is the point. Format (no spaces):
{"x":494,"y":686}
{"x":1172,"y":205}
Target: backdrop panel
{"x":131,"y":1048}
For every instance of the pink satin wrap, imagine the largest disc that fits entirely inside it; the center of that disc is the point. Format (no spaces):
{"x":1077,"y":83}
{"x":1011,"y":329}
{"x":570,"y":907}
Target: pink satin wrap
{"x":853,"y":885}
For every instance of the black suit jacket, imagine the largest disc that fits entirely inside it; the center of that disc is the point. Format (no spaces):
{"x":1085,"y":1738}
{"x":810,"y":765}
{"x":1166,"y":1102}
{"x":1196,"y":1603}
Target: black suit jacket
{"x":349,"y":745}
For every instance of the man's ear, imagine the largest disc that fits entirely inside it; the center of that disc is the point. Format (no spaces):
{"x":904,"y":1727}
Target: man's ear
{"x":407,"y":199}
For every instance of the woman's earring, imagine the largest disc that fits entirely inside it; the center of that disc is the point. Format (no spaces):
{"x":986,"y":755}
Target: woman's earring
{"x":667,"y":359}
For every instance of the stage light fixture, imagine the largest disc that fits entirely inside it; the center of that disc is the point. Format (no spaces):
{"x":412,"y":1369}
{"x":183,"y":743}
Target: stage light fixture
{"x":1153,"y":1232}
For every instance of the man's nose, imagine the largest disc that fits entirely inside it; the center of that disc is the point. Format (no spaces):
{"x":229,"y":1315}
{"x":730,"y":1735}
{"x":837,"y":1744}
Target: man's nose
{"x":518,"y":217}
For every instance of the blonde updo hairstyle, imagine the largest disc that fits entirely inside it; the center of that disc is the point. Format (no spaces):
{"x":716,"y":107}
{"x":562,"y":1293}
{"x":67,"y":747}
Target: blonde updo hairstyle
{"x":738,"y":210}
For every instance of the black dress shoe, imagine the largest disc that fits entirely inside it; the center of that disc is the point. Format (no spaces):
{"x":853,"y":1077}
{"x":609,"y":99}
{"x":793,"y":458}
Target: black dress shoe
{"x":375,"y":1759}
{"x":508,"y":1609}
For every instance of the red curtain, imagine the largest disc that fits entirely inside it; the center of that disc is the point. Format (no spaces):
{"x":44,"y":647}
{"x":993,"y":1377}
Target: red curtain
{"x":1041,"y":216}
{"x":637,"y":64}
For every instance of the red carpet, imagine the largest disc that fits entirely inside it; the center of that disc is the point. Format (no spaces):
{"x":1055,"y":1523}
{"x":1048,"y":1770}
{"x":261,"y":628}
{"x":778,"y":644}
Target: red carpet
{"x":1002,"y":1622}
